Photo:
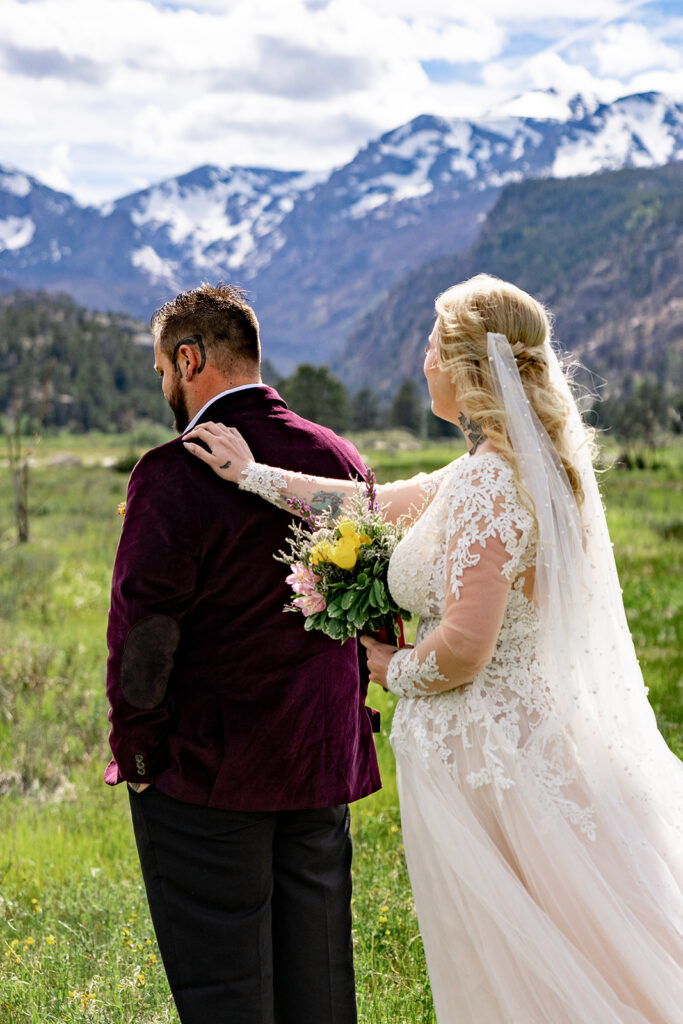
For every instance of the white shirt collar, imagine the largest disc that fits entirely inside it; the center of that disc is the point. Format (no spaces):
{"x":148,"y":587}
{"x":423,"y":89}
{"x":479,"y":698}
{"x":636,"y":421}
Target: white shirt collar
{"x":230,"y":391}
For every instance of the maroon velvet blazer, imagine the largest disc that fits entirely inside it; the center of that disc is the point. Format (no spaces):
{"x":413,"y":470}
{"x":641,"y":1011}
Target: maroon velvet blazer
{"x":217,"y":695}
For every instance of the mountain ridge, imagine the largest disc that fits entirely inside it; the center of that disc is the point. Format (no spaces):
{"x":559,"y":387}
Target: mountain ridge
{"x":315,"y":251}
{"x":604,"y":252}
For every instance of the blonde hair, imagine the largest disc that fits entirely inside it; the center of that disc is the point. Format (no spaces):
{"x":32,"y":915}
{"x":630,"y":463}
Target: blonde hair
{"x":465,"y":314}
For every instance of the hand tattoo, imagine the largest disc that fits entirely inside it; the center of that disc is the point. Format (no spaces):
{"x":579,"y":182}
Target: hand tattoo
{"x":226,"y":464}
{"x":324,"y":500}
{"x":472,"y":431}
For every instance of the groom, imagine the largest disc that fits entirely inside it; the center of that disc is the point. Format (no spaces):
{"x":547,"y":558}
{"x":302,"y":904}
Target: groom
{"x":242,"y":737}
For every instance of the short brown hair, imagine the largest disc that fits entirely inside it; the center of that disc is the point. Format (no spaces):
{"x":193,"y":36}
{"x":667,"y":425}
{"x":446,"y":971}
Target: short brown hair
{"x":220,"y":315}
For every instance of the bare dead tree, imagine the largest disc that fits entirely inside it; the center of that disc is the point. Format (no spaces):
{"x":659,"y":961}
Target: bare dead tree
{"x":19,"y":472}
{"x":18,"y":460}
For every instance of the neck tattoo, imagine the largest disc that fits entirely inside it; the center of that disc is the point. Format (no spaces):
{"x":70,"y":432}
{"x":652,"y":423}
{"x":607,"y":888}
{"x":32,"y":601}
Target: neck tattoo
{"x":472,"y":431}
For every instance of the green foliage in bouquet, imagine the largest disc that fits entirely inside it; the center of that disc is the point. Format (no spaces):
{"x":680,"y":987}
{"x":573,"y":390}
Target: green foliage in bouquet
{"x":339,"y":568}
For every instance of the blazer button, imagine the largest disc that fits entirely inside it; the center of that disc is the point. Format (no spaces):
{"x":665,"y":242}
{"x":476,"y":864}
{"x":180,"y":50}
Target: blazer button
{"x":140,"y":764}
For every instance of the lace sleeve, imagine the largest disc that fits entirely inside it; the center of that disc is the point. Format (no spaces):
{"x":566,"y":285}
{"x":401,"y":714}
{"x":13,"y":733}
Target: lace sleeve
{"x":279,"y":485}
{"x":321,"y":493}
{"x":409,"y":497}
{"x":487,"y":532}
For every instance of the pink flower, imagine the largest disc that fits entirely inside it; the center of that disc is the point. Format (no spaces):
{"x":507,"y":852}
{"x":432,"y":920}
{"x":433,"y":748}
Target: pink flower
{"x":302,"y":580}
{"x":309,"y":604}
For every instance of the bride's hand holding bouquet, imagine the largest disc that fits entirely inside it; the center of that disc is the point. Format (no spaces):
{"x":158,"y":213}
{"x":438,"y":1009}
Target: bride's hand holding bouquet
{"x":338,"y":565}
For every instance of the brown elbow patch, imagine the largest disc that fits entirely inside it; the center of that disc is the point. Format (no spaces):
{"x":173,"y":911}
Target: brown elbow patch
{"x":147,"y":660}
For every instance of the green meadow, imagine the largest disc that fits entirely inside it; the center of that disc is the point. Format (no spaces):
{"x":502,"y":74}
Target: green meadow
{"x":75,"y":937}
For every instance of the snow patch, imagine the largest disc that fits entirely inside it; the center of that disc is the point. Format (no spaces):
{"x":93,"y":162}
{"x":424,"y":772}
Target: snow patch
{"x":17,"y":184}
{"x":159,"y":271}
{"x":540,"y":105}
{"x":406,"y":186}
{"x":370,"y":201}
{"x":547,"y":105}
{"x":16,"y":232}
{"x":306,"y":180}
{"x":648,"y":121}
{"x":409,"y":147}
{"x":495,"y":180}
{"x":459,"y":136}
{"x":463,"y":164}
{"x":218,"y":225}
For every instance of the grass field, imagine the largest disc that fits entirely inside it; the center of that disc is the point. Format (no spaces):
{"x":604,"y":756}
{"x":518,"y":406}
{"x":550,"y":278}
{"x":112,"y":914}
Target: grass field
{"x":75,"y":937}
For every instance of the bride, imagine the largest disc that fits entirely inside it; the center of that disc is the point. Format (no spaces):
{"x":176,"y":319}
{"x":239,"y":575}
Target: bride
{"x":541,"y":809}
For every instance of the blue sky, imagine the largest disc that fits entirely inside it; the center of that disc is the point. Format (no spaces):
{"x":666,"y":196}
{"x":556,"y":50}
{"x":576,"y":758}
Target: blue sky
{"x":103,"y":97}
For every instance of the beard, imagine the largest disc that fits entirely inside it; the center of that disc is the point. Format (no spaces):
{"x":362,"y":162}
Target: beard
{"x":176,"y":400}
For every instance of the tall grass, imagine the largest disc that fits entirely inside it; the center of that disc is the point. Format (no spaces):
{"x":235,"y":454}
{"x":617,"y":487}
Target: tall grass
{"x":75,"y":937}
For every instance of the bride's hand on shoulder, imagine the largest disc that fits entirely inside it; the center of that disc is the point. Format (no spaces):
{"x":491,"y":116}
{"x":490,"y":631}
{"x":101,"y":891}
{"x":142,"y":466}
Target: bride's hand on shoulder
{"x":226,"y":450}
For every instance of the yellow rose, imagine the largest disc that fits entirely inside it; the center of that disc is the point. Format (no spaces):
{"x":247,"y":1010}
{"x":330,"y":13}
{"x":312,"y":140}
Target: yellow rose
{"x":344,"y":553}
{"x":348,"y":529}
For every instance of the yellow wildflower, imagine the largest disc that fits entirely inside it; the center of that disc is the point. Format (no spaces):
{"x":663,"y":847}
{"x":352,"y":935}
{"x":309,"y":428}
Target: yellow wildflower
{"x":50,"y":940}
{"x":320,"y":552}
{"x":140,"y":979}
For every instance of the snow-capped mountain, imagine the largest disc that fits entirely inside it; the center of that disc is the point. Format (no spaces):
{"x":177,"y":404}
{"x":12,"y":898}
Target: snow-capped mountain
{"x":424,"y":190}
{"x":432,"y":155}
{"x":34,"y":222}
{"x":211,"y":221}
{"x":318,"y":251}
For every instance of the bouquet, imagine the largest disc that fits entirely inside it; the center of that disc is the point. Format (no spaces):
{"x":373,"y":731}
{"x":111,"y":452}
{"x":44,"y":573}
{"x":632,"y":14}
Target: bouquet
{"x":339,"y":569}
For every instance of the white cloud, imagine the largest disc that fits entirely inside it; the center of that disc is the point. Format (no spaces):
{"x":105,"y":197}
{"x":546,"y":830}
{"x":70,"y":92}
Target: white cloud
{"x":628,"y":48}
{"x":669,"y":82}
{"x":503,"y":10}
{"x":58,"y":172}
{"x":512,"y":11}
{"x":129,"y":91}
{"x":550,"y":70}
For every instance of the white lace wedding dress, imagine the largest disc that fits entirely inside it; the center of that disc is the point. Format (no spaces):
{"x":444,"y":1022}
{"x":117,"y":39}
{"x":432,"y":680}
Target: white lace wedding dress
{"x":547,"y":876}
{"x":531,"y":907}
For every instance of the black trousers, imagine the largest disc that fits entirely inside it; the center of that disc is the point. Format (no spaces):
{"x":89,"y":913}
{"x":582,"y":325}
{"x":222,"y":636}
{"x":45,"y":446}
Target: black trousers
{"x":252,"y":911}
